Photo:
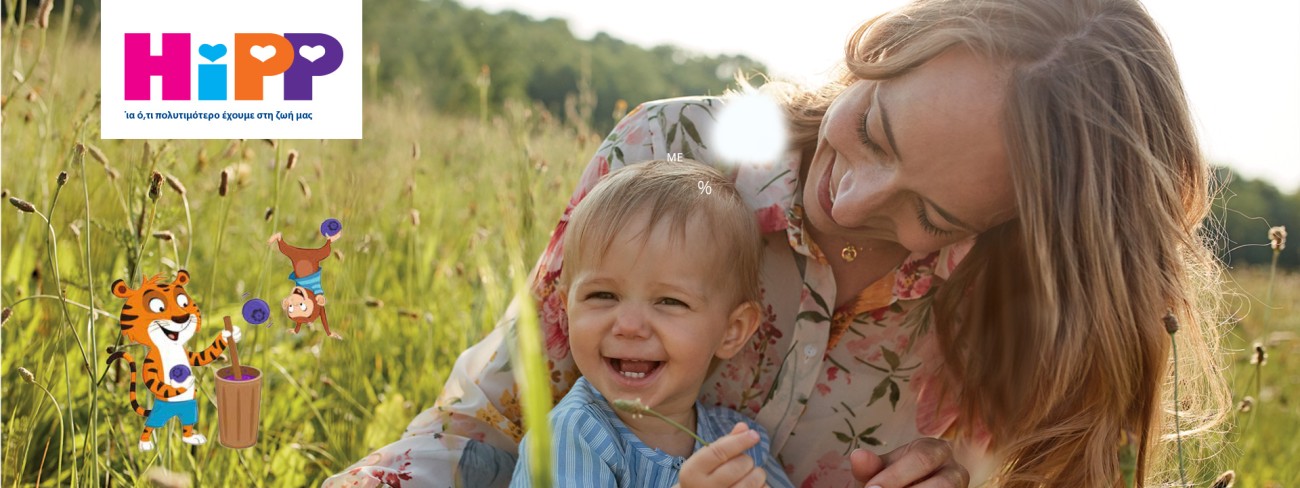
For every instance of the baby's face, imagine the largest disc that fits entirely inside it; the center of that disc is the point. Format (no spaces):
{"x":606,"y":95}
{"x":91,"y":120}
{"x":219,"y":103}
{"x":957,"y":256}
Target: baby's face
{"x":646,"y":320}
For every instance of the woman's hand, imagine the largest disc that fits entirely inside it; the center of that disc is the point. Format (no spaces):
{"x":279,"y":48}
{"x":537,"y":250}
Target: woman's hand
{"x":724,"y":463}
{"x":925,"y":462}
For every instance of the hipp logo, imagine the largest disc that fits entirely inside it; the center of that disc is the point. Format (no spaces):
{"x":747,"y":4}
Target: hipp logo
{"x":231,"y":69}
{"x":300,"y":57}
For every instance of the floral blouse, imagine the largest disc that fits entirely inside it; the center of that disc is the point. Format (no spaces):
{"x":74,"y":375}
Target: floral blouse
{"x":823,"y":382}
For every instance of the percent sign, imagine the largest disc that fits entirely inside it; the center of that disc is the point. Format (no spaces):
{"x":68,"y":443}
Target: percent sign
{"x":704,"y":187}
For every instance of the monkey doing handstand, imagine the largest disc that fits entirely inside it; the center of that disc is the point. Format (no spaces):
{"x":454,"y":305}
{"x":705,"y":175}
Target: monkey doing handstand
{"x":306,"y":301}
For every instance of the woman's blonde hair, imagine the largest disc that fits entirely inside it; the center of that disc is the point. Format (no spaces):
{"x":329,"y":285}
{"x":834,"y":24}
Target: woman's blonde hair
{"x":1051,"y":327}
{"x":672,"y":192}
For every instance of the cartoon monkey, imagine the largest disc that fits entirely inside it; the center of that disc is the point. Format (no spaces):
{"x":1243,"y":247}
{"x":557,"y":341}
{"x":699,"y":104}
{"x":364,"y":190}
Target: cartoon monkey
{"x":306,"y":301}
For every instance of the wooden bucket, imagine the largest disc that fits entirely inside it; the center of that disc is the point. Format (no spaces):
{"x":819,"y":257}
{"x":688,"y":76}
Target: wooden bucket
{"x":239,"y":406}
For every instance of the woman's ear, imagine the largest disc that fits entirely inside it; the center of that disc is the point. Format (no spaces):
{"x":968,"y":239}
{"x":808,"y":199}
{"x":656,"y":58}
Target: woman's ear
{"x":740,"y":325}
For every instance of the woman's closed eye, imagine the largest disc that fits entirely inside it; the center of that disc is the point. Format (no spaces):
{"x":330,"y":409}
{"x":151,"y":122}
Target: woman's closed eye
{"x":865,"y":136}
{"x":923,"y":217}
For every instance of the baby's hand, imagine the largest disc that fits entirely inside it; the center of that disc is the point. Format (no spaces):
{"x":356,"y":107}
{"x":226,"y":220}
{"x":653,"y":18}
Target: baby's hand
{"x":724,"y":463}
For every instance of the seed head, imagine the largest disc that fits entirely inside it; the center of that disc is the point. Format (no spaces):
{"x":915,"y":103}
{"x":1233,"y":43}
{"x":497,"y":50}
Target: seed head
{"x":113,"y":174}
{"x":374,"y":302}
{"x":1260,"y":356}
{"x":1171,"y":322}
{"x":292,"y":161}
{"x":1225,"y":480}
{"x":43,"y":13}
{"x":4,"y":316}
{"x":415,"y":218}
{"x":155,"y":185}
{"x":225,"y":182}
{"x":415,"y":150}
{"x":269,"y":212}
{"x":165,"y":235}
{"x":97,"y":154}
{"x":176,"y":185}
{"x":1246,"y":404}
{"x":27,"y":375}
{"x":1277,"y":239}
{"x":62,"y":179}
{"x":634,"y":407}
{"x":270,"y":142}
{"x":22,"y":205}
{"x":306,"y":190}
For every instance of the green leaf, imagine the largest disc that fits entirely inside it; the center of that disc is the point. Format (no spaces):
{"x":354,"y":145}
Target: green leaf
{"x":893,"y":394}
{"x":879,"y":391}
{"x":821,"y":302}
{"x":672,"y":136}
{"x":870,"y":430}
{"x":618,"y":153}
{"x":843,"y":437}
{"x":694,"y":134}
{"x":872,"y":441}
{"x":890,"y":357}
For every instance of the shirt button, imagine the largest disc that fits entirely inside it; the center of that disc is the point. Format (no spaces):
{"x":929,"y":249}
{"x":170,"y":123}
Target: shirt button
{"x":809,"y":351}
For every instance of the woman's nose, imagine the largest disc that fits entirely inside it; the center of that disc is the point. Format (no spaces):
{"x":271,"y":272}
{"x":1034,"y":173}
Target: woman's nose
{"x":631,"y":323}
{"x":864,"y":190}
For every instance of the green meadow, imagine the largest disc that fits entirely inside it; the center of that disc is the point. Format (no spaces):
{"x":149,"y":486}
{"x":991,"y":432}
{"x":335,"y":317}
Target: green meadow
{"x":442,"y":215}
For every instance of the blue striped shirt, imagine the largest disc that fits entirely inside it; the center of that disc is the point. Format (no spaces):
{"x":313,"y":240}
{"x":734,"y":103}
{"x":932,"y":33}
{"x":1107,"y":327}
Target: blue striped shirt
{"x":591,"y":446}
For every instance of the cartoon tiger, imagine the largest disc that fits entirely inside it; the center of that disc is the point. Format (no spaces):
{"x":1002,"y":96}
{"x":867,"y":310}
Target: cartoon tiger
{"x":162,"y":317}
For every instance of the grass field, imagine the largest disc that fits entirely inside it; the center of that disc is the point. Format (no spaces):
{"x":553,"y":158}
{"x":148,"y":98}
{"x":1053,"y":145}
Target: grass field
{"x":437,"y":213}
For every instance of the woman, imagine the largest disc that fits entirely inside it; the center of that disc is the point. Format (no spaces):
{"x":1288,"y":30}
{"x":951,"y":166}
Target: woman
{"x":1046,"y":146}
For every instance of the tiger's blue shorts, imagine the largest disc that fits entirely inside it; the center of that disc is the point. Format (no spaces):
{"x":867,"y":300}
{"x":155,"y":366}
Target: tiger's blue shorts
{"x":187,"y":411}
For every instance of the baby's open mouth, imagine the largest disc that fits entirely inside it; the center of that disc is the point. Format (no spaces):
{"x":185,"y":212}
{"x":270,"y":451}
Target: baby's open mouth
{"x":634,"y":368}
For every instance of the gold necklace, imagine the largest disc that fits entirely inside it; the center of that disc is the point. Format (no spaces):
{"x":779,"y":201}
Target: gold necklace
{"x":849,"y":253}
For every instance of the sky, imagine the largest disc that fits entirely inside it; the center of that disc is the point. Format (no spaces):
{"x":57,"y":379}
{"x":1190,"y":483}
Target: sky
{"x":1240,"y":64}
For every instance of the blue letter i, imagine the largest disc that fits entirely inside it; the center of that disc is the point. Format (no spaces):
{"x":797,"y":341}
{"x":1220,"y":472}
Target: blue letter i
{"x":212,"y":82}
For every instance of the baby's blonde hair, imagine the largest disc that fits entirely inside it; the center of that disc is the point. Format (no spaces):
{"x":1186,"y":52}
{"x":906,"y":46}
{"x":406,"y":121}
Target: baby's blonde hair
{"x":673,"y":193}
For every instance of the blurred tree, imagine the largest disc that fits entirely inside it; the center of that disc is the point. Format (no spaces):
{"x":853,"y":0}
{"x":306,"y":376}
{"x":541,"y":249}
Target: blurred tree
{"x":1244,"y":210}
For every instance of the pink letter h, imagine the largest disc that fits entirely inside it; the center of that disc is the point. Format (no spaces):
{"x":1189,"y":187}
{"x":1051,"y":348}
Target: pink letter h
{"x":173,"y":66}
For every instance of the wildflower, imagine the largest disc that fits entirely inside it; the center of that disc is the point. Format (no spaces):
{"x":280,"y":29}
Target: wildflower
{"x":1260,"y":356}
{"x":293,"y":160}
{"x":27,"y":375}
{"x":62,"y":179}
{"x":1225,"y":480}
{"x":225,"y":182}
{"x":1246,"y":404}
{"x":176,"y":185}
{"x":1171,"y":322}
{"x":1277,"y":238}
{"x":22,"y":205}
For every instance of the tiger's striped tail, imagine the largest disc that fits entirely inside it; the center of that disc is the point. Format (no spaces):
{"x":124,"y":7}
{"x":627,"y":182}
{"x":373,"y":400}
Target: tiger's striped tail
{"x":135,"y":405}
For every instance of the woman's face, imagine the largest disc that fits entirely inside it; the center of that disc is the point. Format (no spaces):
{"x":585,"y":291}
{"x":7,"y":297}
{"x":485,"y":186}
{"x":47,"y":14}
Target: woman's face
{"x":917,"y":160}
